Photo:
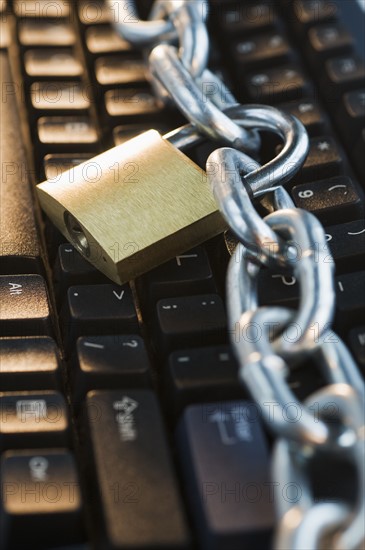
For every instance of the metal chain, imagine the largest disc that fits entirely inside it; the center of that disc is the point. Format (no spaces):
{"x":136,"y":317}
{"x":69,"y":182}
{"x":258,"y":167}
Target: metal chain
{"x":328,"y":427}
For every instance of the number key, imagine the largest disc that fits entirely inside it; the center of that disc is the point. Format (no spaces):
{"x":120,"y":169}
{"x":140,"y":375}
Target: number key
{"x":330,"y":199}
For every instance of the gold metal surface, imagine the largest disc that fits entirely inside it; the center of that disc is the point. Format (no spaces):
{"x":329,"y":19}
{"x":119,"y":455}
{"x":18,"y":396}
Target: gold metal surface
{"x":133,"y":207}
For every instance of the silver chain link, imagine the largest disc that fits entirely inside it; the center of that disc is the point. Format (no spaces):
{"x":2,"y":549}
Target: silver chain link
{"x":268,"y":341}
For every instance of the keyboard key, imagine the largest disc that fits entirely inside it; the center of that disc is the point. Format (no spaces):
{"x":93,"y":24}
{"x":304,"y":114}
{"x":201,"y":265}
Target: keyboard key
{"x":58,"y":96}
{"x":357,"y":154}
{"x":116,"y":69}
{"x":324,"y":160}
{"x":131,"y":103}
{"x":67,"y":130}
{"x":191,"y":321}
{"x":55,"y":165}
{"x":20,"y":250}
{"x":103,"y":39}
{"x":71,"y":269}
{"x":109,"y":362}
{"x":331,"y":200}
{"x":225,"y":462}
{"x":347,"y":244}
{"x":278,"y":84}
{"x":97,"y":11}
{"x":344,"y":74}
{"x":262,"y":51}
{"x":357,"y":346}
{"x":35,"y":32}
{"x":123,"y":133}
{"x":329,"y":40}
{"x":41,"y":501}
{"x":200,"y":375}
{"x":39,"y":9}
{"x":309,"y":12}
{"x":243,"y":18}
{"x":278,"y":289}
{"x":135,"y":481}
{"x":309,"y":113}
{"x":351,"y":116}
{"x":52,"y":63}
{"x":98,"y":310}
{"x":32,"y":420}
{"x":29,"y":364}
{"x":189,"y":273}
{"x":24,"y":306}
{"x":350,"y":292}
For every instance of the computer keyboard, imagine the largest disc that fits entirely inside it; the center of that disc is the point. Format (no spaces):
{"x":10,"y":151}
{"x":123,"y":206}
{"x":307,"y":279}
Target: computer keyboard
{"x":121,"y":413}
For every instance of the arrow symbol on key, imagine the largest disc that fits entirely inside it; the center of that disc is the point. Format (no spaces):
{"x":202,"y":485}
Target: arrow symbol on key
{"x":119,"y":296}
{"x":221,"y":419}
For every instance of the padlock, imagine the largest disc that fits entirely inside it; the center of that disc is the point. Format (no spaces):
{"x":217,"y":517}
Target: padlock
{"x":133,"y":207}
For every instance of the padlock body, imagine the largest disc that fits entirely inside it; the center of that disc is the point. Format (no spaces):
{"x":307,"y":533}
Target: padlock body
{"x":133,"y":207}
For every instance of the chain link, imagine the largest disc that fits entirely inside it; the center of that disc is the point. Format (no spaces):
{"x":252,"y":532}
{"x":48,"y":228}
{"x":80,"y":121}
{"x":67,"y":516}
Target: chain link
{"x":328,"y":427}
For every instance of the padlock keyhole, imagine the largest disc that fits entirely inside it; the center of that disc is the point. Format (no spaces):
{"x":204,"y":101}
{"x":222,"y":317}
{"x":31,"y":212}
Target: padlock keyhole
{"x":77,"y":234}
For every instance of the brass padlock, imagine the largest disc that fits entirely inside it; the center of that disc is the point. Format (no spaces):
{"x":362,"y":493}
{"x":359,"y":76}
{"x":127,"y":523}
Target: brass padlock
{"x":133,"y":207}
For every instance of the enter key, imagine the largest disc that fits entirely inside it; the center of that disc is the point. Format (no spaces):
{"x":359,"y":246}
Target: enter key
{"x":225,"y":462}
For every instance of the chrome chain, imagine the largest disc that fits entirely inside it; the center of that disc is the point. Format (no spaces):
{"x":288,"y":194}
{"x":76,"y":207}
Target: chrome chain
{"x":268,"y":341}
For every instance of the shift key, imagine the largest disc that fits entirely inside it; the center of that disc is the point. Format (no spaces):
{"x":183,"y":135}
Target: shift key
{"x":225,"y":463}
{"x":134,"y":478}
{"x":24,"y":306}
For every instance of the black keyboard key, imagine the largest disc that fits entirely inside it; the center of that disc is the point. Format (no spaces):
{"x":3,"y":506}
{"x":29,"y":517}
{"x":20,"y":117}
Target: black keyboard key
{"x":343,"y":74}
{"x":71,"y":269}
{"x":347,"y":244}
{"x":41,"y":502}
{"x":200,"y":375}
{"x":309,"y":113}
{"x":357,"y":154}
{"x":351,"y":116}
{"x":262,"y":50}
{"x":350,"y":291}
{"x":42,"y":9}
{"x":121,"y":103}
{"x":278,"y":84}
{"x":189,"y":273}
{"x":38,"y":32}
{"x":109,"y":362}
{"x":226,"y":464}
{"x":59,"y":96}
{"x":277,"y":289}
{"x":29,"y":364}
{"x":125,"y":132}
{"x":331,"y":200}
{"x":55,"y":165}
{"x":357,"y":345}
{"x":324,"y":160}
{"x":244,"y":18}
{"x":95,"y":12}
{"x":20,"y":250}
{"x":116,"y":69}
{"x":103,"y":39}
{"x":310,"y":12}
{"x":52,"y":63}
{"x":24,"y":306}
{"x":327,"y":41}
{"x":140,"y":504}
{"x":97,"y":310}
{"x":67,"y":130}
{"x":191,"y":321}
{"x":32,"y":420}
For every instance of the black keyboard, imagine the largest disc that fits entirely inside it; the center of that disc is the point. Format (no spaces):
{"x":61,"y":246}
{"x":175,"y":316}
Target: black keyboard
{"x":121,"y":420}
